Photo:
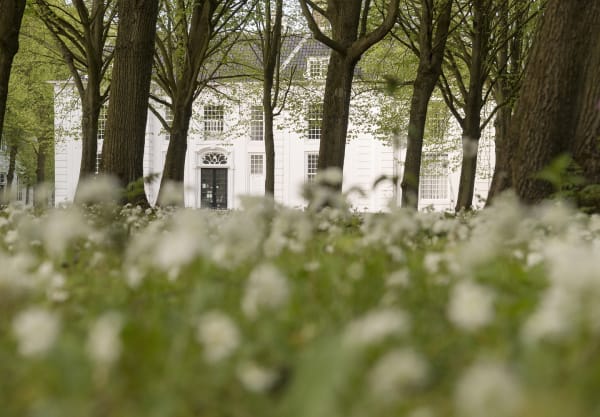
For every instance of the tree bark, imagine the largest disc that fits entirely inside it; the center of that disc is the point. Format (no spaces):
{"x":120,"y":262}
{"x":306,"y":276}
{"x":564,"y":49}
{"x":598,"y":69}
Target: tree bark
{"x":10,"y":174}
{"x":269,"y":138}
{"x":40,"y":172}
{"x":11,"y":15}
{"x":348,"y":42}
{"x":431,"y":54}
{"x":558,"y":110}
{"x":123,"y":150}
{"x":474,"y":102}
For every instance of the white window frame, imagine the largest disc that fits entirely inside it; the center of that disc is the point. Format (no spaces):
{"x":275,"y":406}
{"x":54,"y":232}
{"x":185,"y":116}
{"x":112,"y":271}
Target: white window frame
{"x":214,"y":119}
{"x":253,"y":164}
{"x":257,"y":123}
{"x":316,"y":67}
{"x":311,"y":161}
{"x":433,"y":182}
{"x":314,"y":120}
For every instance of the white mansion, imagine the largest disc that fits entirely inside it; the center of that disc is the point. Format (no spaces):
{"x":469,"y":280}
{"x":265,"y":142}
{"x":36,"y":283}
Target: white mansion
{"x":225,"y":156}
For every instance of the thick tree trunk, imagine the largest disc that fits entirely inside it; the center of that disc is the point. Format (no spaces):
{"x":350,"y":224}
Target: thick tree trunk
{"x":91,"y":104}
{"x":11,"y":14}
{"x":336,"y":110}
{"x":40,"y":174}
{"x":123,"y":151}
{"x":423,"y":89}
{"x":468,"y":171}
{"x":174,"y":169}
{"x":558,"y":110}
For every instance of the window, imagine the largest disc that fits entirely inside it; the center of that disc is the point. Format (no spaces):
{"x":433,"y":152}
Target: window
{"x":316,"y":67}
{"x":433,"y":184}
{"x":315,"y":116}
{"x":312,"y":160}
{"x":256,"y":123}
{"x":214,"y":158}
{"x":213,"y":118}
{"x":98,"y":159}
{"x":256,"y":164}
{"x":169,"y":120}
{"x":102,"y":122}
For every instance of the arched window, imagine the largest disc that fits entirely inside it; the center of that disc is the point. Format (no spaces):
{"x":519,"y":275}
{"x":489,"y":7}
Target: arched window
{"x":214,"y":158}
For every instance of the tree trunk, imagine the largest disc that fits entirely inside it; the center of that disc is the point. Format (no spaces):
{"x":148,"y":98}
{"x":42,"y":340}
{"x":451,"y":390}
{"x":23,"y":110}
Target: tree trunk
{"x":501,"y":179}
{"x":336,"y":110}
{"x":431,"y":53}
{"x":123,"y":151}
{"x":474,"y":103}
{"x":91,"y":105}
{"x":40,"y":174}
{"x":174,"y":169}
{"x":11,"y":14}
{"x":269,"y":142}
{"x":559,"y":110}
{"x":10,"y":174}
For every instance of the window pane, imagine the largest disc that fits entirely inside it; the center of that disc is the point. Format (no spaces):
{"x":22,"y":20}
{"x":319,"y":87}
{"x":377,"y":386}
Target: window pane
{"x":315,"y":116}
{"x":256,"y":123}
{"x":433,"y":184}
{"x":312,"y":160}
{"x":213,"y":118}
{"x":256,"y":164}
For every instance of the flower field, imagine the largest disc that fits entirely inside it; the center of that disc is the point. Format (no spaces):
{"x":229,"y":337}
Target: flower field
{"x":272,"y":311}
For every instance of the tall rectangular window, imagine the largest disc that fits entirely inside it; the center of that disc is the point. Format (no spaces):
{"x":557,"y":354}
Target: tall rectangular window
{"x":312,"y":159}
{"x":433,"y":184}
{"x":256,"y":164}
{"x":101,"y":132}
{"x":257,"y":124}
{"x":213,"y":118}
{"x":169,"y":120}
{"x":102,"y":122}
{"x":314,"y":119}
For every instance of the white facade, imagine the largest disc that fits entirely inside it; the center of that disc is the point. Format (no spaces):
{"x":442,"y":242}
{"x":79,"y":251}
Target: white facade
{"x":224,"y":153}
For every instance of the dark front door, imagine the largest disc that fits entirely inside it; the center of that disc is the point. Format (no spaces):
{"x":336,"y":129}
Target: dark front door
{"x":213,"y":192}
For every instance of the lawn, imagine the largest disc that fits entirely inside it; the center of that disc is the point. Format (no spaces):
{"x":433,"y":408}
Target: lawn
{"x":273,"y":311}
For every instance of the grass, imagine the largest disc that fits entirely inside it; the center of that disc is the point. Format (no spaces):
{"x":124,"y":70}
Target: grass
{"x":271,"y":311}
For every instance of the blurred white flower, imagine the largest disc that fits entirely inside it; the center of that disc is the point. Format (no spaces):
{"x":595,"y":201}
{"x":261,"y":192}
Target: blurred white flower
{"x":218,"y":335}
{"x":11,"y":237}
{"x":254,"y":377}
{"x":36,"y":330}
{"x":104,"y":343}
{"x":98,"y":189}
{"x":471,"y":306}
{"x":487,"y":389}
{"x":396,"y":373}
{"x":375,"y":326}
{"x":399,"y":278}
{"x":470,"y":146}
{"x":266,"y":289}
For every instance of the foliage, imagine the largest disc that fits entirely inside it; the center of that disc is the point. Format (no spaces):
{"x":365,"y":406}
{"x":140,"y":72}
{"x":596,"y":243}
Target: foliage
{"x":276,"y":312}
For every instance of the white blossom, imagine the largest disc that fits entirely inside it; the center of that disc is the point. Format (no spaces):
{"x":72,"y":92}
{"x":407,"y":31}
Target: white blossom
{"x":104,"y":343}
{"x":218,"y":335}
{"x":266,"y":289}
{"x":470,"y":306}
{"x":487,"y":389}
{"x":375,"y":326}
{"x":36,"y":330}
{"x":254,"y":377}
{"x":396,"y":373}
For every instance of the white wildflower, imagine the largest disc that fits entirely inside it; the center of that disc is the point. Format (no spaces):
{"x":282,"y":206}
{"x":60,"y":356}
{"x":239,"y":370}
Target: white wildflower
{"x":376,"y":326}
{"x":36,"y":330}
{"x":11,"y":237}
{"x":396,"y":373}
{"x":266,"y":289}
{"x":487,"y":389}
{"x":104,"y":343}
{"x":218,"y":335}
{"x":355,"y":271}
{"x":256,"y":378}
{"x":470,"y":306}
{"x":399,"y":278}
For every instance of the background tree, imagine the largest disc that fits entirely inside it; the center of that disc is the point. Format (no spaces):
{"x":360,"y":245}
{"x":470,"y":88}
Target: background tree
{"x":425,"y":25}
{"x":268,"y":20}
{"x":191,"y":33}
{"x":558,"y":110}
{"x":30,"y":110}
{"x":81,"y":31}
{"x":351,"y":36}
{"x":11,"y":14}
{"x":123,"y":150}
